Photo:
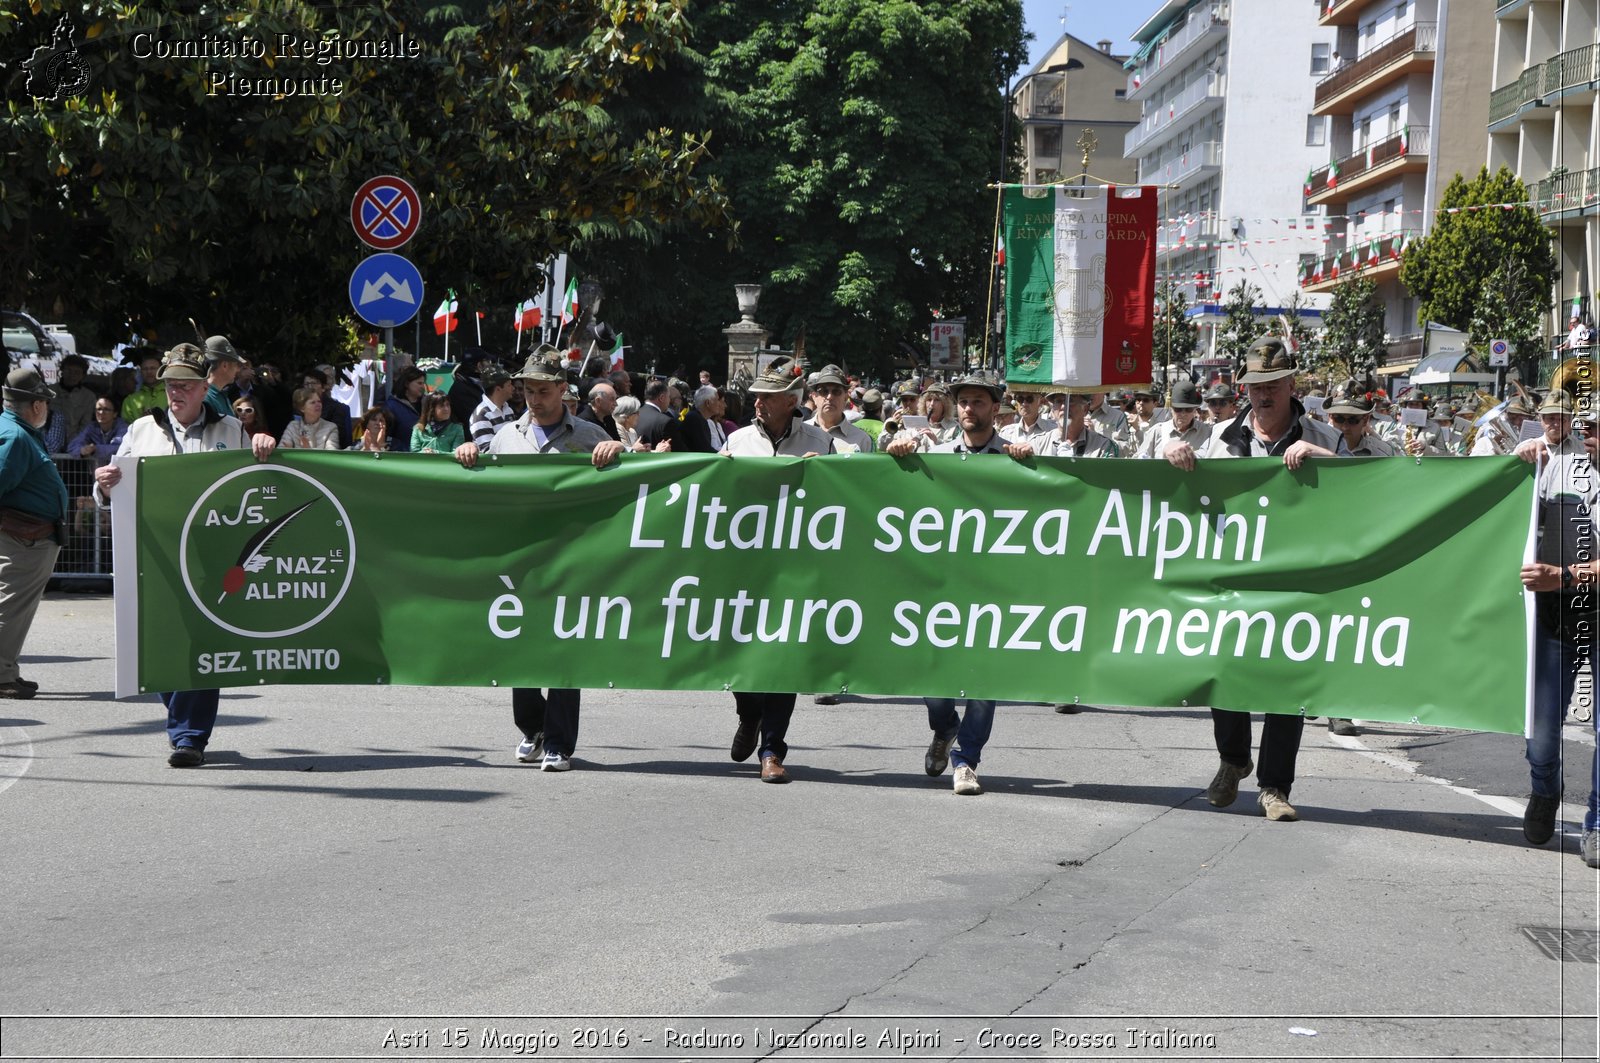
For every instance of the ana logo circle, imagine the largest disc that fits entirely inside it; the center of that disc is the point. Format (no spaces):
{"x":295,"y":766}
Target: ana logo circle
{"x":267,"y":552}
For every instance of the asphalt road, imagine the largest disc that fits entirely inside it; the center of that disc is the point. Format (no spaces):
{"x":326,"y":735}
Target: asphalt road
{"x":367,"y":873}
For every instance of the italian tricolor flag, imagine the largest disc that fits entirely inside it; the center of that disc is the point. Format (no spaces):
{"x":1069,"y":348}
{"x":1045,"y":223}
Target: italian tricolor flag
{"x":569,"y":303}
{"x":1080,"y":285}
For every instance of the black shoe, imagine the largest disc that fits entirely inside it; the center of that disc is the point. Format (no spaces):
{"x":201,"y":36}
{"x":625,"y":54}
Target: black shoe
{"x":1539,"y":821}
{"x":744,"y":740}
{"x":938,"y":757}
{"x":185,"y":757}
{"x":18,"y":690}
{"x":30,"y":684}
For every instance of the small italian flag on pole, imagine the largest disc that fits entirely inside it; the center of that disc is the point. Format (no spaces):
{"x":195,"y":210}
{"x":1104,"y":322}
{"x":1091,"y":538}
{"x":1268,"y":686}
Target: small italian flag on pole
{"x":444,"y":318}
{"x":617,"y":353}
{"x":1333,"y":176}
{"x":1310,"y":177}
{"x":569,"y":303}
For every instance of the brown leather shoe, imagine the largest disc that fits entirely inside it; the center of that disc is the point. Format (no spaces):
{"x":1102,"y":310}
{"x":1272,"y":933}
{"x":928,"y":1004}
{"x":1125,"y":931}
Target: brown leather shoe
{"x":772,"y":770}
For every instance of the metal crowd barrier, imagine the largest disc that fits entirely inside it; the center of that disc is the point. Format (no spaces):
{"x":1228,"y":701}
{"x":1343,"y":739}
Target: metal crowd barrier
{"x":86,"y":555}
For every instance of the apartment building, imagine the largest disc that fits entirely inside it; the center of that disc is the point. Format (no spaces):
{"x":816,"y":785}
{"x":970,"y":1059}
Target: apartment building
{"x":1398,"y":99}
{"x":1076,"y":88}
{"x":1226,"y":92}
{"x":1541,"y":122}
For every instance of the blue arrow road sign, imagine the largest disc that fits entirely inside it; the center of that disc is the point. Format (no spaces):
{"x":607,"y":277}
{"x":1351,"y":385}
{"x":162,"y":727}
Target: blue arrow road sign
{"x":386,"y":290}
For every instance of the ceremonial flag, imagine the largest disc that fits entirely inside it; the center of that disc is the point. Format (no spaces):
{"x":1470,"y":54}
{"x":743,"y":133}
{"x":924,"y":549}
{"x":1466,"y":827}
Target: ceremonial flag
{"x":526,"y":316}
{"x":569,"y":303}
{"x":1080,"y":285}
{"x":444,"y":318}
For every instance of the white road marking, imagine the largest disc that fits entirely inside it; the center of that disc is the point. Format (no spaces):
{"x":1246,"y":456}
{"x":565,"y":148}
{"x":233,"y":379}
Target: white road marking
{"x":16,"y":754}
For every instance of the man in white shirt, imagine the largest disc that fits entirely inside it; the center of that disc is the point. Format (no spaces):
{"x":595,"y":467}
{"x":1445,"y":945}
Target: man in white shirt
{"x":1031,"y":422}
{"x":495,"y":409}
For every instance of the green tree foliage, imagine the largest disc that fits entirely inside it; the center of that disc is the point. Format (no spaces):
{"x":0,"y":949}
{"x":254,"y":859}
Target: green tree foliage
{"x":1240,"y":326}
{"x":1351,"y":343}
{"x":1446,"y":269}
{"x":856,"y":138}
{"x":1501,"y":315}
{"x":1175,"y":334}
{"x":188,"y":187}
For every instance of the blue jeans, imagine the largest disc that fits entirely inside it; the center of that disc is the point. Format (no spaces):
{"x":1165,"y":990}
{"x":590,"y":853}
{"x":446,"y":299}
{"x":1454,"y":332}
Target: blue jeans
{"x":1555,"y":676}
{"x":191,"y":714}
{"x":971,"y":730}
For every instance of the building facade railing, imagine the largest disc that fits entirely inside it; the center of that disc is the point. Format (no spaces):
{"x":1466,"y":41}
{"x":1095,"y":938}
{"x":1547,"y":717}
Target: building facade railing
{"x":1412,"y":140}
{"x":1568,"y":70}
{"x":1160,"y":118}
{"x":1175,"y":170}
{"x":1511,"y":97}
{"x":1418,"y":39}
{"x":1575,"y":190}
{"x":1204,"y":21}
{"x":1358,"y":256}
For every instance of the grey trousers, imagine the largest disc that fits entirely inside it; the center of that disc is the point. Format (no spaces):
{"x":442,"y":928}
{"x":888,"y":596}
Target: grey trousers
{"x":24,"y":570}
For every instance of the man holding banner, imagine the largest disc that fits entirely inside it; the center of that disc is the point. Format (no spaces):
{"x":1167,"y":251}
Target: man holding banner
{"x":975,"y":399}
{"x":1273,"y":424}
{"x":185,"y":426}
{"x":548,"y":722}
{"x":776,"y":432}
{"x":1562,"y":580}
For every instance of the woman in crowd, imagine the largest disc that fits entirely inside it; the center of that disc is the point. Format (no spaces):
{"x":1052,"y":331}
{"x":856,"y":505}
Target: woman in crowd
{"x":245,"y":409}
{"x":936,"y":408}
{"x":626,"y":414}
{"x":102,"y":436}
{"x":404,"y":405}
{"x":373,"y":430}
{"x":309,"y":431}
{"x":436,"y":433}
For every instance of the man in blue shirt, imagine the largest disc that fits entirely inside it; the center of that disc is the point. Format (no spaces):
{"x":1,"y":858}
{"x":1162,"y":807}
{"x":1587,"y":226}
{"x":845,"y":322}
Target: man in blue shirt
{"x":33,"y":503}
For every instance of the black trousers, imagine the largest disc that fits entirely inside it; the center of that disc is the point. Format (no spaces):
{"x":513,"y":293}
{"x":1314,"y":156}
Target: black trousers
{"x":771,"y":712}
{"x":556,"y":714}
{"x":1280,"y":744}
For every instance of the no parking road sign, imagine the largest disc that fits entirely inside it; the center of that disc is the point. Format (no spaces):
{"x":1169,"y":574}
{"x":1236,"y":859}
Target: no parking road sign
{"x":386,"y":212}
{"x":386,"y":290}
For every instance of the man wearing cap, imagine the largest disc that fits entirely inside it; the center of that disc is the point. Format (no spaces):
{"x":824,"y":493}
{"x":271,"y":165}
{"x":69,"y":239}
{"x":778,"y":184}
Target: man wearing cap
{"x":1184,"y":426}
{"x":1221,"y":403}
{"x":1273,"y":424}
{"x":1031,"y":425}
{"x":829,"y":390}
{"x":1443,"y":419}
{"x":548,"y":720}
{"x":975,"y":399}
{"x":494,"y":411}
{"x":1144,"y":417}
{"x":150,"y":395}
{"x":1076,"y":436}
{"x":1563,"y":580}
{"x":185,"y":426}
{"x":777,"y":431}
{"x":1499,"y":435}
{"x":871,"y":419}
{"x":1351,"y":417}
{"x":222,"y":368}
{"x":33,"y":505}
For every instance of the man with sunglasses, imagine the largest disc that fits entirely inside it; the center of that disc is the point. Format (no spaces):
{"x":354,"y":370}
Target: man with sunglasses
{"x":830,"y":391}
{"x":1185,"y":425}
{"x":1031,"y":425}
{"x":1221,"y":403}
{"x":1352,"y":416}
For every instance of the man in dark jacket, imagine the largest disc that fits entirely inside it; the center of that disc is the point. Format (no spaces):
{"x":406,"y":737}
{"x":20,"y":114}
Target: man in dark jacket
{"x":33,"y":503}
{"x":656,"y":421}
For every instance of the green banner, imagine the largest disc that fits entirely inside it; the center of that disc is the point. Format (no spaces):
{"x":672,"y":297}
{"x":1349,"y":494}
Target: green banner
{"x":1380,"y":589}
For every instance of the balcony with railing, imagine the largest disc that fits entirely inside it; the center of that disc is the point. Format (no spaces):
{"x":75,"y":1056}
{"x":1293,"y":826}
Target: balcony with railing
{"x":1181,"y":237}
{"x":1200,"y":159}
{"x":1568,"y":194}
{"x":1339,"y":12}
{"x":1409,"y":50}
{"x":1207,"y":22}
{"x":1375,"y":258}
{"x":1162,"y":120}
{"x":1403,"y":152}
{"x":1042,"y":96}
{"x":1574,"y":69}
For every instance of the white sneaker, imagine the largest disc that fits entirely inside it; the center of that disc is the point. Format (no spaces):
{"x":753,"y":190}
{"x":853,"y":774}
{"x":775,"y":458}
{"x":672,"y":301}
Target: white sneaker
{"x":531,"y":750}
{"x":554,"y":761}
{"x":966,"y":783}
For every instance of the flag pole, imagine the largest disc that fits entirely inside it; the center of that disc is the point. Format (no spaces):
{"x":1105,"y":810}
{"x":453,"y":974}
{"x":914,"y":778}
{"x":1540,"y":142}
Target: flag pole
{"x":477,"y":323}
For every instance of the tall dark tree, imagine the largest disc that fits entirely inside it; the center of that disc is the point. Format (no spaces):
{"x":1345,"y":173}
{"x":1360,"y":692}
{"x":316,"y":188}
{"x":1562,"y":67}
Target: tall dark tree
{"x":856,"y":138}
{"x":212,"y":189}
